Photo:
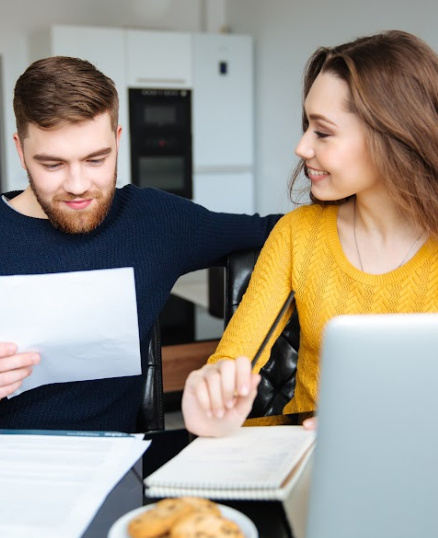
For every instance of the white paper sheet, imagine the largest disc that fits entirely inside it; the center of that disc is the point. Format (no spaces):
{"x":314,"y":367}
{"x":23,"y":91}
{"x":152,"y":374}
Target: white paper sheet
{"x":84,"y":324}
{"x":51,"y":486}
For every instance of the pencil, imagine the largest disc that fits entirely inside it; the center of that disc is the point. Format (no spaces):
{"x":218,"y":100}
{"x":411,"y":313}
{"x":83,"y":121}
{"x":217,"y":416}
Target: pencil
{"x":273,"y":327}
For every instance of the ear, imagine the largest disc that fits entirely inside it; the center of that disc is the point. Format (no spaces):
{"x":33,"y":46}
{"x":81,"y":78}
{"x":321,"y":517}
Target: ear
{"x":118,"y":135}
{"x":19,"y":150}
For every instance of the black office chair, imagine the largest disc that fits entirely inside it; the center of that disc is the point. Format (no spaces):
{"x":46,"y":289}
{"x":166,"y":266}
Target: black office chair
{"x":151,"y":413}
{"x":278,"y":375}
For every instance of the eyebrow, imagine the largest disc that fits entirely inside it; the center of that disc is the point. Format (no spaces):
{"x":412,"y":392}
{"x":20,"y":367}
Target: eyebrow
{"x":46,"y":157}
{"x":320,"y":117}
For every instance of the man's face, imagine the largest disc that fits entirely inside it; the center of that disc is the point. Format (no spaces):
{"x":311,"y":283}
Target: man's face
{"x":72,"y":171}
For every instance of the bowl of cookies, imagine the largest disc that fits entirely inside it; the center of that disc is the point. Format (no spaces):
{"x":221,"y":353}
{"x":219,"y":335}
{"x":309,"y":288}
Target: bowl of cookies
{"x":184,"y":517}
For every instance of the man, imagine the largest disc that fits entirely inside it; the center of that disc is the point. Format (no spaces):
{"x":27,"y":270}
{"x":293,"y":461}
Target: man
{"x":71,"y":217}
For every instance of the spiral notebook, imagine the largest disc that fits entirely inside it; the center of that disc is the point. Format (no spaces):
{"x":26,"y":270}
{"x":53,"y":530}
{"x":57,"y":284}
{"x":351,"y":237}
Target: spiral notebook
{"x":260,"y":462}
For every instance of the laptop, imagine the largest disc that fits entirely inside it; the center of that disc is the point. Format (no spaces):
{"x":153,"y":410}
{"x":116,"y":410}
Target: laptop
{"x":375,"y":469}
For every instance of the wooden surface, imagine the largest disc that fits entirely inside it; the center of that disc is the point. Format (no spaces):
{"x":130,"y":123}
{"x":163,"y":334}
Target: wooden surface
{"x":181,"y":359}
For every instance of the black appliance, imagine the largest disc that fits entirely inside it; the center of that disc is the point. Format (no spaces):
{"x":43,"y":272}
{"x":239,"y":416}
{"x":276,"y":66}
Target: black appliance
{"x":161,"y":139}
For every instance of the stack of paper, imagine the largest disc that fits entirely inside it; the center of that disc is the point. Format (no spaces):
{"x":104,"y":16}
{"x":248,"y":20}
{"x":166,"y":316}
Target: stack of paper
{"x":52,"y":484}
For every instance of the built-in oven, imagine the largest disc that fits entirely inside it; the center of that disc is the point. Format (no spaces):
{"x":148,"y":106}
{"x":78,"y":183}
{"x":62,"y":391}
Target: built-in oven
{"x":161,"y":139}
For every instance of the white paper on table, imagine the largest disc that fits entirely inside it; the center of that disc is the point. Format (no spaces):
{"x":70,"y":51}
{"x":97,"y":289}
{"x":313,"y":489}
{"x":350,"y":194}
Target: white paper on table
{"x":84,"y":324}
{"x":51,"y":486}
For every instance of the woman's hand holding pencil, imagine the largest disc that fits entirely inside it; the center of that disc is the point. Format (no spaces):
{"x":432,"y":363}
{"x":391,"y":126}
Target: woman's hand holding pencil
{"x":218,"y":397}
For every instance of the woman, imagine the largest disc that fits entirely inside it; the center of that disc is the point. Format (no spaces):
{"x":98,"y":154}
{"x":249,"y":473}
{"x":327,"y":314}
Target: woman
{"x":368,"y":241}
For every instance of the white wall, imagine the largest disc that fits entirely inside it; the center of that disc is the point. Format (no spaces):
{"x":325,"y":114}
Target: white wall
{"x":21,"y":18}
{"x":286,"y":32}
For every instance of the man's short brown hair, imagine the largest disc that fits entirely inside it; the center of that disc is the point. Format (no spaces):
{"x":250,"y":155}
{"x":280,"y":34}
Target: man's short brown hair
{"x":60,"y":89}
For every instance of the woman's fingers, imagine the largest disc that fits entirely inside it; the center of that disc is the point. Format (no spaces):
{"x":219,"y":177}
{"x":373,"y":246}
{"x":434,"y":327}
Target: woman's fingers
{"x":227,"y":383}
{"x":243,"y":376}
{"x":215,"y":379}
{"x":218,"y":397}
{"x":219,"y":386}
{"x":310,"y":423}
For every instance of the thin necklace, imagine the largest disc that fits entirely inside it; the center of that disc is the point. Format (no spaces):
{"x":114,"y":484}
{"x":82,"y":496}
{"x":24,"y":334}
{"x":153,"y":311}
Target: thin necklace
{"x":357,"y":246}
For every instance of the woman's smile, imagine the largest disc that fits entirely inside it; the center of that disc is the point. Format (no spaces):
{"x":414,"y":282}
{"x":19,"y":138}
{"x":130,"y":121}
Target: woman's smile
{"x":316,"y":175}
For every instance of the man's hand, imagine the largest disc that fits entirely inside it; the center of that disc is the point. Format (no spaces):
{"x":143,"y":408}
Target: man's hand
{"x":218,"y":397}
{"x":14,"y":367}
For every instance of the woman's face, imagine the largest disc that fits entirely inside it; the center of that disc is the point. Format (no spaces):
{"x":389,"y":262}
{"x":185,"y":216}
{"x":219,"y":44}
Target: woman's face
{"x":334,"y":146}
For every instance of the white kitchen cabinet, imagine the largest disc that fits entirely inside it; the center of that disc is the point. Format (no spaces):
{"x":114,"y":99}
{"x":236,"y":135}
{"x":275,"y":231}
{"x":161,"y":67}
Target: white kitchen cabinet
{"x":159,"y":59}
{"x":231,"y":192}
{"x":223,"y":103}
{"x":103,"y":47}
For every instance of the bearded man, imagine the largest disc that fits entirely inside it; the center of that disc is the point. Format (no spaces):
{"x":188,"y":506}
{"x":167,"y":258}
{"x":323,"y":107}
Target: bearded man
{"x":71,"y":217}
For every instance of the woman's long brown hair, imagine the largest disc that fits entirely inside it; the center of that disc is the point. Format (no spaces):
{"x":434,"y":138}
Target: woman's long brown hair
{"x":393,"y":83}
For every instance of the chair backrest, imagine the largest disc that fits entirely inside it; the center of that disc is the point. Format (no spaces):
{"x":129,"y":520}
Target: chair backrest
{"x":151,"y":413}
{"x":278,"y":375}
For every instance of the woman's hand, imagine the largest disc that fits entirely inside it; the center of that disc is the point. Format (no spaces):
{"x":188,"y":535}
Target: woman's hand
{"x":218,"y":397}
{"x":14,"y":367}
{"x":310,"y":423}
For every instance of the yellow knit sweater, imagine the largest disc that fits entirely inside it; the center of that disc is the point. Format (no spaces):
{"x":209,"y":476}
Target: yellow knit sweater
{"x":304,"y":253}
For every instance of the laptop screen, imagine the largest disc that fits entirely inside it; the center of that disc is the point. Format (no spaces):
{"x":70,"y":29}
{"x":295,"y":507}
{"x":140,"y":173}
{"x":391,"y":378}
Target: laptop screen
{"x":375,"y":472}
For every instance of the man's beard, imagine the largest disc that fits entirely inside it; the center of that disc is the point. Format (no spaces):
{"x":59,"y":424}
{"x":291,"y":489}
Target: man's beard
{"x":76,"y":221}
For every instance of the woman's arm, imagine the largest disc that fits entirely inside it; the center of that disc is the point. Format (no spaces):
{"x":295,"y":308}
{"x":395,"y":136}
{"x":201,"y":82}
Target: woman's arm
{"x":218,"y":397}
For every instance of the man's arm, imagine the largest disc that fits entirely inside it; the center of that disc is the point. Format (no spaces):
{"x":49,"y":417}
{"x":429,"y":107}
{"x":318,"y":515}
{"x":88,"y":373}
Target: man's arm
{"x":215,"y":235}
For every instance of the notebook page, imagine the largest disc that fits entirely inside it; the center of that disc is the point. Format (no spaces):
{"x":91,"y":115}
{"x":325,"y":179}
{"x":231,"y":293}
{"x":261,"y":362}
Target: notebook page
{"x":253,"y":458}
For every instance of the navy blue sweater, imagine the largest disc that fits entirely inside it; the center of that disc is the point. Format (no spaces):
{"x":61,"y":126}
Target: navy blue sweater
{"x":162,"y":237}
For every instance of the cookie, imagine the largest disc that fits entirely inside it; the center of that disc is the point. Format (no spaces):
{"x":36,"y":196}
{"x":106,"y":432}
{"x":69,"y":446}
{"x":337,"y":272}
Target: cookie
{"x":200,"y":504}
{"x":205,"y":525}
{"x":158,"y":521}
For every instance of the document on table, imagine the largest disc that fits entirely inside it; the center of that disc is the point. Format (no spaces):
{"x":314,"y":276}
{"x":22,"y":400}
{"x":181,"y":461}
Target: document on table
{"x":51,"y":486}
{"x":84,"y":324}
